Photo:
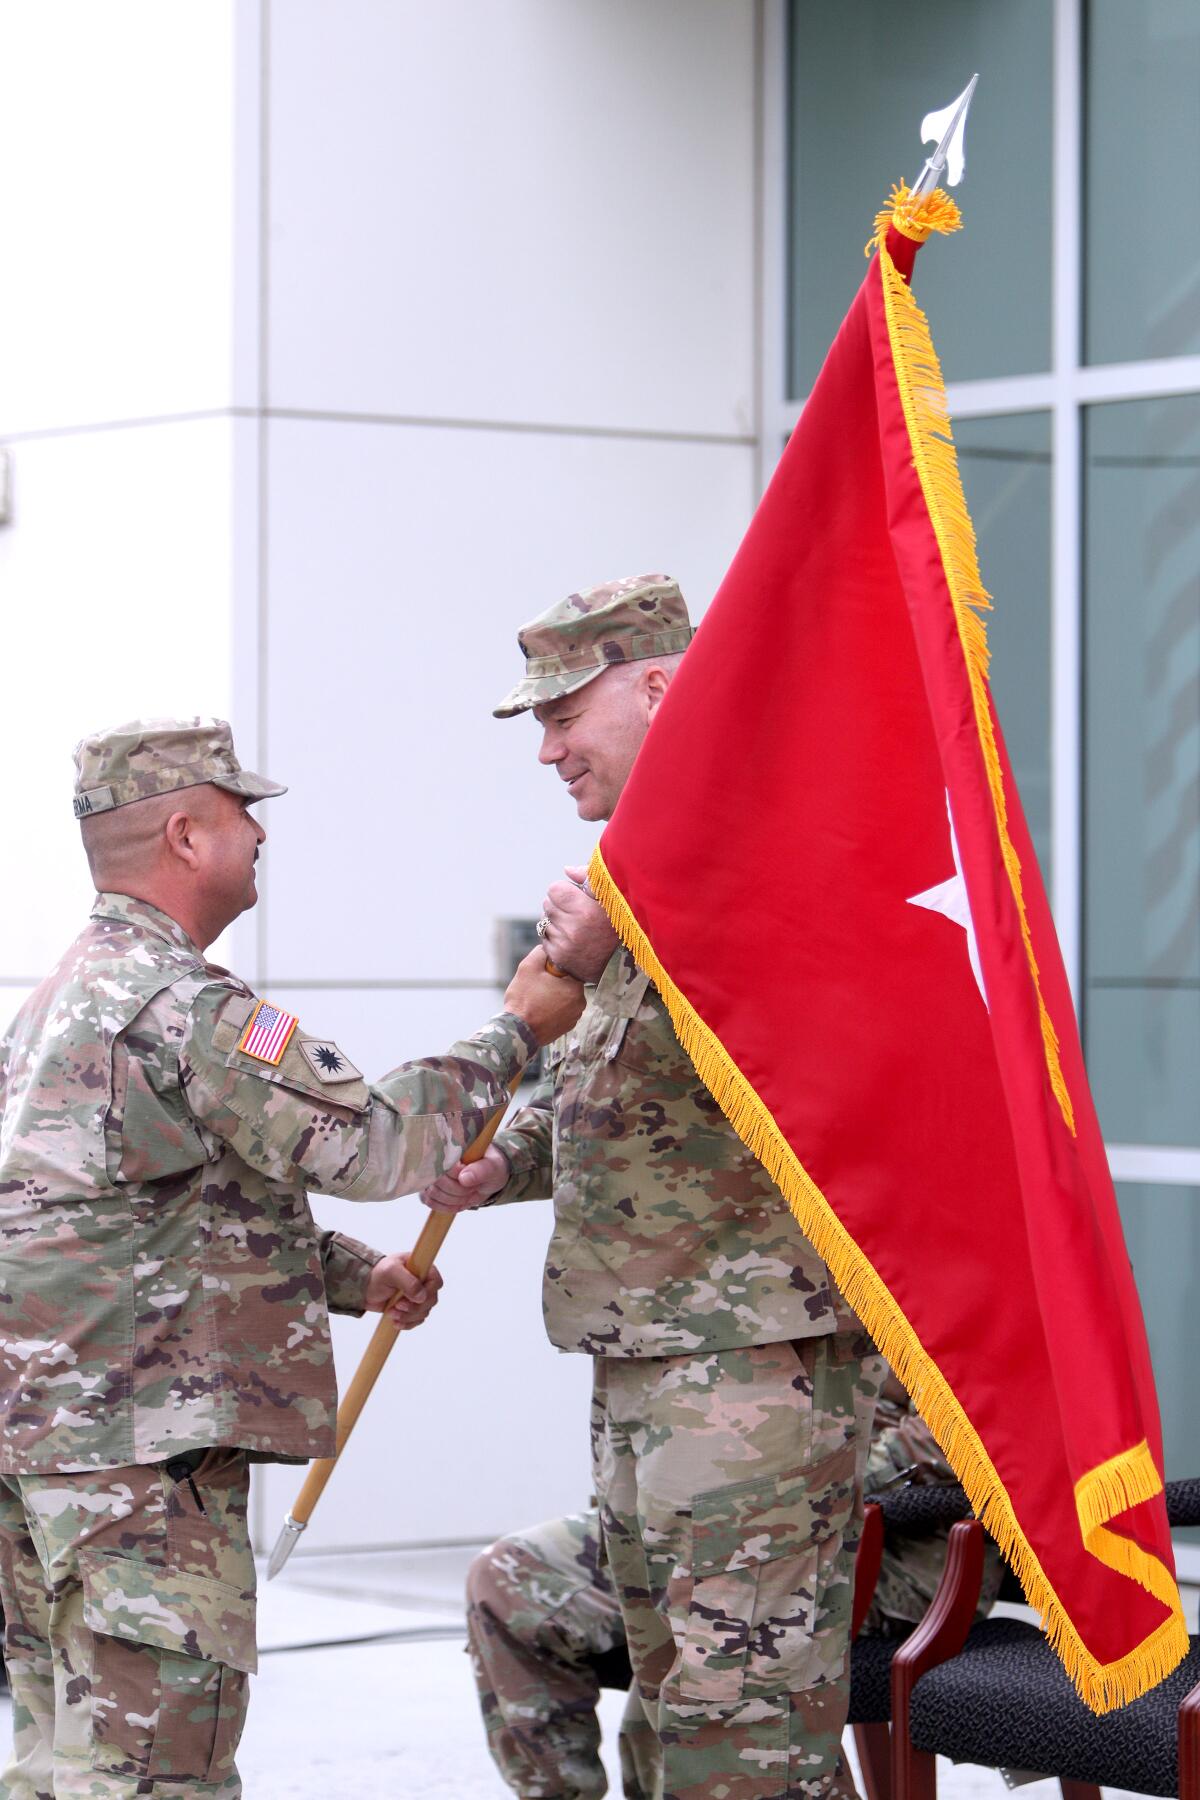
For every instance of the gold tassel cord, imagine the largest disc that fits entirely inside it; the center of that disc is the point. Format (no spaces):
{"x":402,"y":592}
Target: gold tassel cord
{"x":1101,"y":1686}
{"x":927,"y":415}
{"x":917,"y":219}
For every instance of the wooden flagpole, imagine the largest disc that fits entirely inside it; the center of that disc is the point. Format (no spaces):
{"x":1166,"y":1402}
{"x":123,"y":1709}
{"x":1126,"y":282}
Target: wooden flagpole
{"x":383,"y":1342}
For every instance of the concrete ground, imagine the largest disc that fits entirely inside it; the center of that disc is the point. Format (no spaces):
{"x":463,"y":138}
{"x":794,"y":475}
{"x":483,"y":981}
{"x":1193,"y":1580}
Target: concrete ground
{"x":364,"y":1689}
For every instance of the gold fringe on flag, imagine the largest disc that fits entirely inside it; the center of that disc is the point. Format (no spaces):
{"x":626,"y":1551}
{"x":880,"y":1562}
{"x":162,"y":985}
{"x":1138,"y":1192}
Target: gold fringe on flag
{"x":1109,"y":1489}
{"x":1130,"y":1477}
{"x":1102,"y":1686}
{"x":927,"y":414}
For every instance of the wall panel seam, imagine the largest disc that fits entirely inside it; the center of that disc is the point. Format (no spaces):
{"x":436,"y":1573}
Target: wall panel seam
{"x":529,"y":427}
{"x":137,"y":422}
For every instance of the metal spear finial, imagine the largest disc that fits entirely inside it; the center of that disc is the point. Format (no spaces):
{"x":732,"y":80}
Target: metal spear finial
{"x":948,"y":128}
{"x":285,"y":1543}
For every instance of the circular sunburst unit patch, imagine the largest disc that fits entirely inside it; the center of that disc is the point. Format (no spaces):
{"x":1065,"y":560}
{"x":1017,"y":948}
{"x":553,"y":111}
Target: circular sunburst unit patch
{"x":327,"y":1062}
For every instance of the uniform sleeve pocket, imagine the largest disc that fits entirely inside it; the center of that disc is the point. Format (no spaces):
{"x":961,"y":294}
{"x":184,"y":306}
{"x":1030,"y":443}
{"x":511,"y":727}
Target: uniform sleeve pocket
{"x":770,"y":1601}
{"x":171,"y":1654}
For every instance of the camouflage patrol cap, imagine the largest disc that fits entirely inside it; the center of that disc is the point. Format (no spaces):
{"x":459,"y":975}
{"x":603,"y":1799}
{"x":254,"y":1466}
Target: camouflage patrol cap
{"x":156,"y":756}
{"x":572,"y":643}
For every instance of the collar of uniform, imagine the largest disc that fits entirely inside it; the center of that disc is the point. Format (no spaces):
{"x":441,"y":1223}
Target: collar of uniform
{"x":146,"y":917}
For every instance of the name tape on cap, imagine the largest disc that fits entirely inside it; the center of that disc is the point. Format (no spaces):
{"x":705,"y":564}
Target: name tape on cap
{"x":95,"y":800}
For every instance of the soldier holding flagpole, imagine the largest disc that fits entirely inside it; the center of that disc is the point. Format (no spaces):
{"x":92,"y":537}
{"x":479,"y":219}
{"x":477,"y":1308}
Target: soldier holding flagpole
{"x":166,"y":1292}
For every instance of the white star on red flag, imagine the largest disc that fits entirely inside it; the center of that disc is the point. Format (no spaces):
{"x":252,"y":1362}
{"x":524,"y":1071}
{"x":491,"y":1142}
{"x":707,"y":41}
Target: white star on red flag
{"x":949,"y":898}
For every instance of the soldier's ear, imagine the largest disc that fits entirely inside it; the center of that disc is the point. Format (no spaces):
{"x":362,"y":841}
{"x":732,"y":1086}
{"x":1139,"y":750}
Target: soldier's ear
{"x":180,"y":838}
{"x":657,"y":683}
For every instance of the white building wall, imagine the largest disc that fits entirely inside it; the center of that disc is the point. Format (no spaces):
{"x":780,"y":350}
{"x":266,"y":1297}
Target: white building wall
{"x":466,"y":295}
{"x":510,"y":350}
{"x":115,"y":348}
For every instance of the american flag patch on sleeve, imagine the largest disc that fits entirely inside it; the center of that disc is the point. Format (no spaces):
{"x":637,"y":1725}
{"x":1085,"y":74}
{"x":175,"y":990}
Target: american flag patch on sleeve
{"x":268,"y":1031}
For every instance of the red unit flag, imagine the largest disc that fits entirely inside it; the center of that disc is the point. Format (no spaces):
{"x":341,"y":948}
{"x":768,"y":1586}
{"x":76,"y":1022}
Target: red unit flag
{"x":821,"y":859}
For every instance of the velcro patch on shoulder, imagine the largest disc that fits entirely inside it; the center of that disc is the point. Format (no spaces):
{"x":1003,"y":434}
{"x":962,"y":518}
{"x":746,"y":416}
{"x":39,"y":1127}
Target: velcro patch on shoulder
{"x":268,"y":1033}
{"x":235,"y":1009}
{"x":327,"y":1062}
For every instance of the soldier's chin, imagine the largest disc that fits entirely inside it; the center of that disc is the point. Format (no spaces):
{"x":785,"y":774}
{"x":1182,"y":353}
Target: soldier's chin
{"x":588,"y":804}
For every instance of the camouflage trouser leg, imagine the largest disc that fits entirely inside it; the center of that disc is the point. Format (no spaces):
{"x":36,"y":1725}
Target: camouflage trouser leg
{"x":129,"y":1608}
{"x":30,"y":1771}
{"x":540,"y":1609}
{"x":731,"y":1503}
{"x":641,"y":1758}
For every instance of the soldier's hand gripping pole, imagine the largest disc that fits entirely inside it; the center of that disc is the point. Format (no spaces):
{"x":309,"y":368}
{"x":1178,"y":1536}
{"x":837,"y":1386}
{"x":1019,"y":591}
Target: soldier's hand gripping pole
{"x":433,"y":1235}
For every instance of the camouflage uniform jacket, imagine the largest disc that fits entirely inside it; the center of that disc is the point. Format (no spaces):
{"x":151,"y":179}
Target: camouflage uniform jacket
{"x":669,"y":1237}
{"x":162,"y":1284}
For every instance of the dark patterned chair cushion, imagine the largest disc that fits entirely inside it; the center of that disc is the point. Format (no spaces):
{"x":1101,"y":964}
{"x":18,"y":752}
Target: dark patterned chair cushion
{"x":1183,"y":1502}
{"x":917,"y":1511}
{"x":1006,"y":1702}
{"x":871,"y":1679}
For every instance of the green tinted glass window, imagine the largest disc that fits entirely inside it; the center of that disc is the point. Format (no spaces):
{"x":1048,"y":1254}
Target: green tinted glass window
{"x":1142,"y":768}
{"x":862,"y":78}
{"x":1142,"y":198}
{"x":1162,"y":1230}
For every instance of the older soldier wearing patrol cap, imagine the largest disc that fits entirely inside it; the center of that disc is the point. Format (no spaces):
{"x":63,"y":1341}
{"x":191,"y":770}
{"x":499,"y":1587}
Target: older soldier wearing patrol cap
{"x":165,"y":1291}
{"x":733,"y":1388}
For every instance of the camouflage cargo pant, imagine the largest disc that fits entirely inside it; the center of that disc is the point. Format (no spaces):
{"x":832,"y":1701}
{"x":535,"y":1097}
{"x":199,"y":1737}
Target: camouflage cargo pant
{"x":730,"y":1490}
{"x":129,"y":1607}
{"x":541,"y":1615}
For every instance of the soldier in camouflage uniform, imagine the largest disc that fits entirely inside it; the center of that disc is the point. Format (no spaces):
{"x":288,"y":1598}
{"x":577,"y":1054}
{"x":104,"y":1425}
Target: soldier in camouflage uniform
{"x":164,"y":1289}
{"x":543,"y":1624}
{"x":733,"y":1389}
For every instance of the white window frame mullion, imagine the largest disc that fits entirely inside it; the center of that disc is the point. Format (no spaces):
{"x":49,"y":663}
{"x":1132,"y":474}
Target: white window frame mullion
{"x":1154,"y":1164}
{"x":1066,"y":536}
{"x":1063,"y":392}
{"x":774,"y":421}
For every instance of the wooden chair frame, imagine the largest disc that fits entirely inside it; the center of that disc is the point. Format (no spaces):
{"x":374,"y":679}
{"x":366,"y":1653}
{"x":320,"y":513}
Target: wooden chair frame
{"x":874,"y":1741}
